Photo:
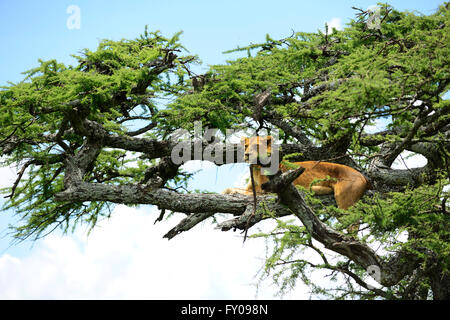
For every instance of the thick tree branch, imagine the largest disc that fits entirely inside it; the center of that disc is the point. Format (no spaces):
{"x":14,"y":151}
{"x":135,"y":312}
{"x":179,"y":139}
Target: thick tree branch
{"x":164,"y":199}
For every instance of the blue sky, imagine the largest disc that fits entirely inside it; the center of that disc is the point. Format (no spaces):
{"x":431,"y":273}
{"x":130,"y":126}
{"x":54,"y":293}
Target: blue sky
{"x":37,"y":29}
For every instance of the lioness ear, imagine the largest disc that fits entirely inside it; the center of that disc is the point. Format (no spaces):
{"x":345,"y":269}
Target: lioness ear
{"x":269,"y":140}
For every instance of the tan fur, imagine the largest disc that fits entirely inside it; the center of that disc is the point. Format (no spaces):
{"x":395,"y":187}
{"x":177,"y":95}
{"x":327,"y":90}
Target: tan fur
{"x":347,"y":184}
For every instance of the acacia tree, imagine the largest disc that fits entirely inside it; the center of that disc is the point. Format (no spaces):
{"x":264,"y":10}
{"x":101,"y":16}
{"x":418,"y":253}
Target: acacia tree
{"x":68,"y":129}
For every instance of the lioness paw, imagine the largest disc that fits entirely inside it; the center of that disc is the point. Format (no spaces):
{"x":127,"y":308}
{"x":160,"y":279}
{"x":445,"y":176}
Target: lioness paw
{"x":227,"y":191}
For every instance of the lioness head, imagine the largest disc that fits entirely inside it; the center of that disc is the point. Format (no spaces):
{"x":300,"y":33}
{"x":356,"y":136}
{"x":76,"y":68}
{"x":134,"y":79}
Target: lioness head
{"x":257,"y":149}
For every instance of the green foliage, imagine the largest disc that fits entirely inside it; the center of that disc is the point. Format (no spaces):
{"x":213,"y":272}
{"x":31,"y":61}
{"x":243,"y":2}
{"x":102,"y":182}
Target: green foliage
{"x":376,"y":68}
{"x":119,"y":78}
{"x":415,"y":220}
{"x":421,"y":214}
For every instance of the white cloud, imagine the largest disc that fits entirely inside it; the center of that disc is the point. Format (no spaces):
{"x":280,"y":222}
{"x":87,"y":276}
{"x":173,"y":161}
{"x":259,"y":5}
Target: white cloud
{"x":195,"y":165}
{"x":334,"y":23}
{"x":379,"y":124}
{"x":125,"y":257}
{"x":409,"y":160}
{"x":7,"y":176}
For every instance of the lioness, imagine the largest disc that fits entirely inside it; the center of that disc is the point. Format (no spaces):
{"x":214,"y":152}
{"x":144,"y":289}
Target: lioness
{"x":347,"y":184}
